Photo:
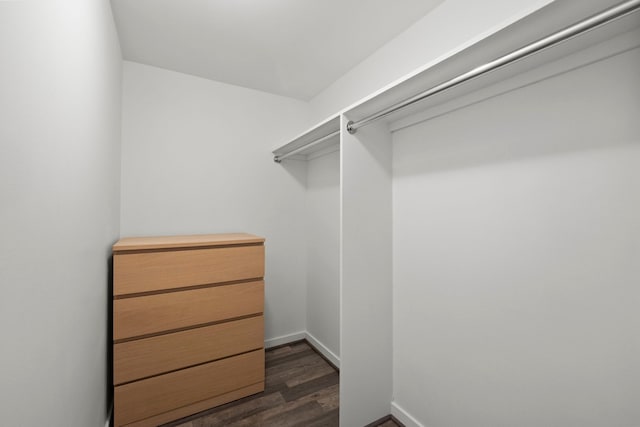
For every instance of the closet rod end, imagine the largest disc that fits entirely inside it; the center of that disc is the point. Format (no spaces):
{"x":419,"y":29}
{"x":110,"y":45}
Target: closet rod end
{"x":350,"y":127}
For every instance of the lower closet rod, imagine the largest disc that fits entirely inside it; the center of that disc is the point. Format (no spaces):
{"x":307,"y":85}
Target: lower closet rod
{"x":558,"y":37}
{"x":278,"y":159}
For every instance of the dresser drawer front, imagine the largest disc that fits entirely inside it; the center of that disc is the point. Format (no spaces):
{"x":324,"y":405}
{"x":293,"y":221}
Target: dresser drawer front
{"x":153,"y":271}
{"x":147,"y":357}
{"x":146,"y":398}
{"x":152,"y":314}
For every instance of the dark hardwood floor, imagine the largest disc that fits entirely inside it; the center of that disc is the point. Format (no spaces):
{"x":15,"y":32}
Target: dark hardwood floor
{"x":301,"y":391}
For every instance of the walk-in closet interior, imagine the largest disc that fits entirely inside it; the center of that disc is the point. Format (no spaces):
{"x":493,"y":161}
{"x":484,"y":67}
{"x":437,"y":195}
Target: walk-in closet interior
{"x":452,"y":221}
{"x":475,"y":197}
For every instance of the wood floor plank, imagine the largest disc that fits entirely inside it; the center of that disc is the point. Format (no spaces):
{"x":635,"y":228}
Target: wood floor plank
{"x":310,"y":374}
{"x":240,"y":410}
{"x":305,"y":413}
{"x":276,"y":352}
{"x":268,"y":417}
{"x":309,"y":387}
{"x":329,"y":419}
{"x":312,"y":365}
{"x":292,"y":359}
{"x":331,"y":401}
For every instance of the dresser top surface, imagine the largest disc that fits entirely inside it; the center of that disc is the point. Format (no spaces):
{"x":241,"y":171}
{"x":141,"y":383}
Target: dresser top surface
{"x":186,"y":241}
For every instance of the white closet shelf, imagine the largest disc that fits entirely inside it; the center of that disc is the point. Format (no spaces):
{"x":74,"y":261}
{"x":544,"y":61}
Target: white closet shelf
{"x":599,"y":43}
{"x":320,"y":139}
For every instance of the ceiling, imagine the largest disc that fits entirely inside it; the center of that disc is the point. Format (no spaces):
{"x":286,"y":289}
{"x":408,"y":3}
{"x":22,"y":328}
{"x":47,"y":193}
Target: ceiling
{"x":294,"y":48}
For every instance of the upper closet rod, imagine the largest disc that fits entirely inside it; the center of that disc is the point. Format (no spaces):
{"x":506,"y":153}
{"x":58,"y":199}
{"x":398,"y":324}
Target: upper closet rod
{"x":579,"y":28}
{"x":278,"y":159}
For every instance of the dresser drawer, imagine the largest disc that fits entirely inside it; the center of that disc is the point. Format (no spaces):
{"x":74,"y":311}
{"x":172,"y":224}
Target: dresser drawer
{"x":146,"y":398}
{"x":147,"y":357}
{"x":139,"y":272}
{"x":152,"y":314}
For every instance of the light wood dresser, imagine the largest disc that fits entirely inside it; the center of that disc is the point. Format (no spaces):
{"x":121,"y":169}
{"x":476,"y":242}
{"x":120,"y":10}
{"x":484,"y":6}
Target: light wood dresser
{"x":188,"y":325}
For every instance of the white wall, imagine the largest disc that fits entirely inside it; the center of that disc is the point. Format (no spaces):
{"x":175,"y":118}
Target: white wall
{"x":517,"y":256}
{"x":323,"y":250}
{"x":59,"y":208}
{"x":452,"y":24}
{"x":196,"y":158}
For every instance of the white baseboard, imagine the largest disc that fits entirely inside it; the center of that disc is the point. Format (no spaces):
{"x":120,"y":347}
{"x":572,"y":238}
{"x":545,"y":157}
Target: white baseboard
{"x":284,"y":339}
{"x":404,"y":417}
{"x":297,"y":336}
{"x":323,"y":349}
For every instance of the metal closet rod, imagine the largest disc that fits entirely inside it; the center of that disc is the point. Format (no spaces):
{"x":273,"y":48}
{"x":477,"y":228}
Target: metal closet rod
{"x":279,"y":159}
{"x":558,"y":37}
